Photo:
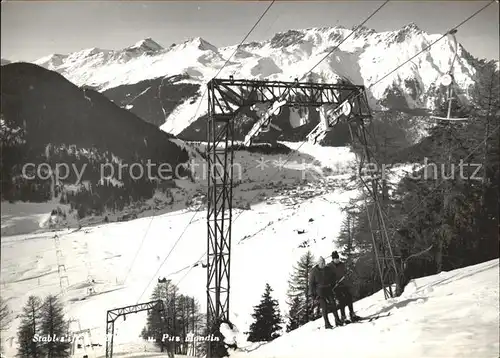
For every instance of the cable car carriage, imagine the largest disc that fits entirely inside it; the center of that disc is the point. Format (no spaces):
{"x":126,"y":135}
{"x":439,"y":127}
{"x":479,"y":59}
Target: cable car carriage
{"x":448,"y":81}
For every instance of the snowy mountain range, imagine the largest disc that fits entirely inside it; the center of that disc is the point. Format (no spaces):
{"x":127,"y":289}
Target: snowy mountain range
{"x":165,"y":86}
{"x":366,"y":57}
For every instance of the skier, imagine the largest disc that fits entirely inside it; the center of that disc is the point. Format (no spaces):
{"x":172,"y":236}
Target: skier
{"x":342,"y":288}
{"x":321,"y":281}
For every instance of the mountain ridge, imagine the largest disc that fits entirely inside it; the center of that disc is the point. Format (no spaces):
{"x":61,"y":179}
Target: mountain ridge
{"x":47,"y":120}
{"x":366,"y":58}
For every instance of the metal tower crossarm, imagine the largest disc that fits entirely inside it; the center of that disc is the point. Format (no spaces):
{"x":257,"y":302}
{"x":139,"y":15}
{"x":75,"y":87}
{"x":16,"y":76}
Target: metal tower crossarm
{"x":113,"y":314}
{"x":228,"y":95}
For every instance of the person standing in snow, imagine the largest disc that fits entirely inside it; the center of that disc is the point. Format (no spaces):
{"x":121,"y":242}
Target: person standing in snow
{"x":321,"y":280}
{"x":343,"y":287}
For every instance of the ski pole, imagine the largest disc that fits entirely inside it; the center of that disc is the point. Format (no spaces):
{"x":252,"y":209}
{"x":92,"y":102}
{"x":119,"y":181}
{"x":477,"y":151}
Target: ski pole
{"x":339,"y":281}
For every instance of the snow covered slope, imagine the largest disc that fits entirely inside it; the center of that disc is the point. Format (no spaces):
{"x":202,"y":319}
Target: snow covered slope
{"x":289,"y":216}
{"x":291,"y":212}
{"x":364,"y":58}
{"x":452,"y":314}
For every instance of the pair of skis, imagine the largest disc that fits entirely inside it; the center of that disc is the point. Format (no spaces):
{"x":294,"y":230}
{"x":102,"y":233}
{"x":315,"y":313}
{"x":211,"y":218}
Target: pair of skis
{"x":371,"y":318}
{"x":360,"y":320}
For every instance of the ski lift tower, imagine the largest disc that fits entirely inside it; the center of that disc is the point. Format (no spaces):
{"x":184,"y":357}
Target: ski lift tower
{"x":226,"y":99}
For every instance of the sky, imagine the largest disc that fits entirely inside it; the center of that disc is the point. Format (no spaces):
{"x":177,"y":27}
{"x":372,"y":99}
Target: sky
{"x":34,"y":29}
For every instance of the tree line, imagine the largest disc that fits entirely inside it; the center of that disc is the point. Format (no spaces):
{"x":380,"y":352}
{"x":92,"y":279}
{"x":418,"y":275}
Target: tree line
{"x":82,"y":186}
{"x":443,"y":214}
{"x":40,"y":319}
{"x":181,"y":320}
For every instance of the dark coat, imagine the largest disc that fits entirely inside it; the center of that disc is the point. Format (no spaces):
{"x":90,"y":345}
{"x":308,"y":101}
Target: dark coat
{"x":321,"y":281}
{"x":339,"y":270}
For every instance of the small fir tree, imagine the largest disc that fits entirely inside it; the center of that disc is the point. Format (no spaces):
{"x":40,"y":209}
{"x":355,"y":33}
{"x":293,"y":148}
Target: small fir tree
{"x":267,"y":319}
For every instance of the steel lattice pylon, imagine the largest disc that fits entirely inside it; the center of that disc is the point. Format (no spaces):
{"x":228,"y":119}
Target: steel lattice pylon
{"x":113,"y":314}
{"x":375,"y":187}
{"x":220,"y":158}
{"x":225,"y":98}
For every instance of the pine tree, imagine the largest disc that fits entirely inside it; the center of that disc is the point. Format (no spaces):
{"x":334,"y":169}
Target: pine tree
{"x":5,"y":318}
{"x":55,"y":325}
{"x":298,"y":286}
{"x":345,"y":238}
{"x":156,"y":323}
{"x":4,"y":314}
{"x":294,"y":314}
{"x":30,"y":325}
{"x":176,"y":320}
{"x":267,"y":319}
{"x":186,"y":315}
